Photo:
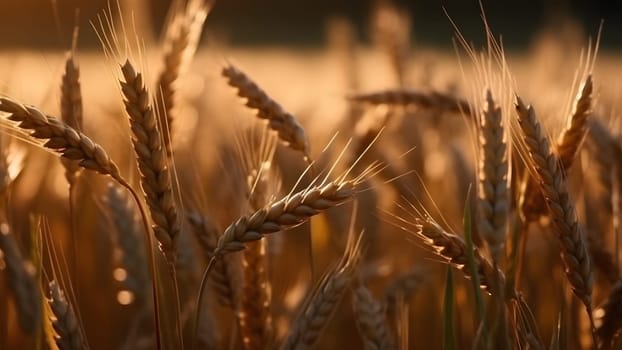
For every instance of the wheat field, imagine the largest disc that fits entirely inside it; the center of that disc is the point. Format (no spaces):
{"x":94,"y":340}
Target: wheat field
{"x":184,"y":192}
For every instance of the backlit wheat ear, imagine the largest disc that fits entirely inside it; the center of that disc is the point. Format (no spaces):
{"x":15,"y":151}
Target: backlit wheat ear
{"x":552,"y":183}
{"x":493,"y":192}
{"x":566,"y":147}
{"x":453,"y":248}
{"x":65,"y":323}
{"x":152,"y":161}
{"x":315,"y":315}
{"x":71,"y":108}
{"x":61,"y":138}
{"x":286,"y":213}
{"x":180,"y":43}
{"x":284,"y":123}
{"x":426,"y":100}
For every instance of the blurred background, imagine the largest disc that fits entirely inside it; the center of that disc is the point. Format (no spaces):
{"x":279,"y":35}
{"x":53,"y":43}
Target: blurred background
{"x":31,"y":22}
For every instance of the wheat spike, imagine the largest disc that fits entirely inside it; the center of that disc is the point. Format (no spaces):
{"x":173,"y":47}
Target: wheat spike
{"x":152,"y":161}
{"x":552,"y":183}
{"x":453,"y":248}
{"x":71,"y":108}
{"x":69,"y":334}
{"x":371,"y":321}
{"x":313,"y":318}
{"x":493,"y":194}
{"x":532,"y":203}
{"x":284,"y":123}
{"x":426,"y":100}
{"x":286,"y":213}
{"x":130,"y":243}
{"x":180,"y":43}
{"x":61,"y":138}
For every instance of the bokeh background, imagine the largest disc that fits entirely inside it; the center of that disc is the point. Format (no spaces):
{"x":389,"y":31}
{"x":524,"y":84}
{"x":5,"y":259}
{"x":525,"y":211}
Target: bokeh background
{"x":28,"y":23}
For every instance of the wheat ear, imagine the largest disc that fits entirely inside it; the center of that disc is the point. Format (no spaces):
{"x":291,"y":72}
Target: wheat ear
{"x":155,"y":174}
{"x":453,"y":248}
{"x":371,"y":321}
{"x":180,"y":43}
{"x":61,"y":138}
{"x":427,"y":100}
{"x":128,"y":240}
{"x":284,"y":123}
{"x":152,"y":161}
{"x":532,"y":203}
{"x":71,"y":108}
{"x":493,"y":194}
{"x":550,"y":177}
{"x":313,"y":318}
{"x":256,"y":297}
{"x":286,"y":213}
{"x":69,"y":334}
{"x":21,"y":278}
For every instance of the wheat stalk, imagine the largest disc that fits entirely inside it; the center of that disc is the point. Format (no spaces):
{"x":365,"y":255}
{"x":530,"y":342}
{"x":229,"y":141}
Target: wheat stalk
{"x":563,"y":214}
